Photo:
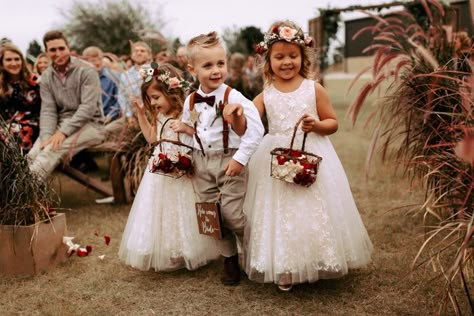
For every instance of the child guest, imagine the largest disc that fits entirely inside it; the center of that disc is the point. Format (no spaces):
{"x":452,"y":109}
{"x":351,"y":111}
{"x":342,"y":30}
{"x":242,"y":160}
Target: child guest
{"x":161,"y":231}
{"x":227,"y":130}
{"x":298,"y":234}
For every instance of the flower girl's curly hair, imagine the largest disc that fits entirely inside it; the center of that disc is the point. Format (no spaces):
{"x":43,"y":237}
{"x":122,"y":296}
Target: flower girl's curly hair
{"x":175,"y":96}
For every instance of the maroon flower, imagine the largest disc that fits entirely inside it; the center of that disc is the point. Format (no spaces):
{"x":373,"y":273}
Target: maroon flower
{"x":259,"y":49}
{"x":281,"y":160}
{"x":184,"y":163}
{"x":304,"y":178}
{"x":293,"y":153}
{"x":165,"y":165}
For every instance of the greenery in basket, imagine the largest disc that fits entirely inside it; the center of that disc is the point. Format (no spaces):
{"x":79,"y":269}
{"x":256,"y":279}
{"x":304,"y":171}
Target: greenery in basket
{"x":25,"y":199}
{"x":423,"y":120}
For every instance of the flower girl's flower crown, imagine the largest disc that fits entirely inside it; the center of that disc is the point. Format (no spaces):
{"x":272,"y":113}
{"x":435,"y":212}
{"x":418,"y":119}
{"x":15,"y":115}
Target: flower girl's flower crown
{"x":283,"y":33}
{"x":148,"y":72}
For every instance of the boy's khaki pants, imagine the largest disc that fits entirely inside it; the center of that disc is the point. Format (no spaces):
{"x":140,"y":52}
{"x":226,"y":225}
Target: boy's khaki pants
{"x":210,"y":179}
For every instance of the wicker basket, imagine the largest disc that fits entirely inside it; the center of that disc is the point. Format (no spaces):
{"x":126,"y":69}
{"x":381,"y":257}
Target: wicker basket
{"x":175,"y":163}
{"x":295,"y":166}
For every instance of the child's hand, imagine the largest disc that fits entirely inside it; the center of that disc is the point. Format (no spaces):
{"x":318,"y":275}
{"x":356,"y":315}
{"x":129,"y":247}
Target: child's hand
{"x":308,"y":123}
{"x":234,"y":115}
{"x":233,"y":168}
{"x":231,"y":111}
{"x":138,"y":105}
{"x":180,"y":127}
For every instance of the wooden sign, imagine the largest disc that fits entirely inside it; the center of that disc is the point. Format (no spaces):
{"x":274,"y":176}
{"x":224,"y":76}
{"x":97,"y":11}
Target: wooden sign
{"x":209,"y":219}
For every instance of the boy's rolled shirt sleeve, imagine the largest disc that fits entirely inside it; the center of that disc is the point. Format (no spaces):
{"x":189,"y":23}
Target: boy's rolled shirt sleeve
{"x":250,"y":141}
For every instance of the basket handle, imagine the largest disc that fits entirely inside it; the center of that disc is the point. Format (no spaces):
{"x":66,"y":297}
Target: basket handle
{"x":294,"y":134}
{"x":162,"y":129}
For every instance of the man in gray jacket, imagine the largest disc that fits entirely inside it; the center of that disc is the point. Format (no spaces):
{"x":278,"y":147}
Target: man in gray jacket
{"x":71,"y":116}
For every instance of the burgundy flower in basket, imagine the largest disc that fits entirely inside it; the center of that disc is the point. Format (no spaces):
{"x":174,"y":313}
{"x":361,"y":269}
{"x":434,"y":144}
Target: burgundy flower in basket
{"x":171,"y":157}
{"x":184,"y":163}
{"x":295,"y":166}
{"x":305,"y":178}
{"x":162,"y":163}
{"x":173,"y":164}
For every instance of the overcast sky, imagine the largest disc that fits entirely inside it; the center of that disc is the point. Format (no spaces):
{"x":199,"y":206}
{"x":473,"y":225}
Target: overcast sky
{"x":26,"y":20}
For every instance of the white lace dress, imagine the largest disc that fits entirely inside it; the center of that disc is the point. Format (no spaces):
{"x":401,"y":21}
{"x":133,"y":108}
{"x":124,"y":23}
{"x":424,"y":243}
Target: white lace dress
{"x":298,"y":234}
{"x":162,"y":231}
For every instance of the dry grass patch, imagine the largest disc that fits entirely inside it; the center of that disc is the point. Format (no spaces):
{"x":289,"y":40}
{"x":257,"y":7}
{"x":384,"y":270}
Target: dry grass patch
{"x":90,"y":286}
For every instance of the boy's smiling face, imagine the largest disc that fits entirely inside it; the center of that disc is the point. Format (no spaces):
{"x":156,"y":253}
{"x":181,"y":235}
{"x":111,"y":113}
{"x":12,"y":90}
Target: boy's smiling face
{"x":209,"y":65}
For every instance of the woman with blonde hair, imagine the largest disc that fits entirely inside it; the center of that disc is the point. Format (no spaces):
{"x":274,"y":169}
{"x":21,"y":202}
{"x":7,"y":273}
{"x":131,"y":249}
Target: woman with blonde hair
{"x":42,"y":62}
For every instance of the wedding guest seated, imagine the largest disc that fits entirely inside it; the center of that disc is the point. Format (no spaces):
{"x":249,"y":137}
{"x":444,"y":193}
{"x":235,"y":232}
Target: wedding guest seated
{"x":71,"y":116}
{"x":129,"y":88}
{"x":42,"y":62}
{"x":109,"y":88}
{"x":20,"y":100}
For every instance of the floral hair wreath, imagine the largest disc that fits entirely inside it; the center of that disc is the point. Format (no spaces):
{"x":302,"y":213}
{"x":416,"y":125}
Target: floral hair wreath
{"x":283,"y":33}
{"x":148,"y":72}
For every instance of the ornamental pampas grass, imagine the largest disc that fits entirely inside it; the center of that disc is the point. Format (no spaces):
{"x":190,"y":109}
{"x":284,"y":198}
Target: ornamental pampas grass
{"x":425,"y":122}
{"x":25,"y":199}
{"x":136,"y":152}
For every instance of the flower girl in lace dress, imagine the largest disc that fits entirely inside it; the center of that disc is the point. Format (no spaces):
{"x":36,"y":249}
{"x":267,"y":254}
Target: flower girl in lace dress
{"x":162,"y":231}
{"x":298,"y":233}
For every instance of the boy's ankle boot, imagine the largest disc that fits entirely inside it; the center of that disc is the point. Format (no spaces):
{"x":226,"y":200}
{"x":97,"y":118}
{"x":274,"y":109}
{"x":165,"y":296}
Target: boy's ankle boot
{"x":231,"y":274}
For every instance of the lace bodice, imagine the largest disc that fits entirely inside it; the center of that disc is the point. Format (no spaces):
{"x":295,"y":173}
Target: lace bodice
{"x":284,"y":109}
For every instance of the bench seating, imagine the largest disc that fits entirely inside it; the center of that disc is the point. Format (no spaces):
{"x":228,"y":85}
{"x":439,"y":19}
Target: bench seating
{"x":117,"y":190}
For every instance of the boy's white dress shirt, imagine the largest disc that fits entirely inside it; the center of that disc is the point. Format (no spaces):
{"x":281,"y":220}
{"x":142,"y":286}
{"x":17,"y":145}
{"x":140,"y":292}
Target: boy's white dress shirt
{"x":211,"y":133}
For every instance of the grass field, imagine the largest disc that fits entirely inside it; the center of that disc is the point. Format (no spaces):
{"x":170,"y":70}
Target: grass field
{"x":91,"y":286}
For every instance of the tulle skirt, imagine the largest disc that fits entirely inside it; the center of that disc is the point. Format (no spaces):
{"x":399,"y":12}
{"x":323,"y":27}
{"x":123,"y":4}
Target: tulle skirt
{"x":298,"y":234}
{"x":162,"y":231}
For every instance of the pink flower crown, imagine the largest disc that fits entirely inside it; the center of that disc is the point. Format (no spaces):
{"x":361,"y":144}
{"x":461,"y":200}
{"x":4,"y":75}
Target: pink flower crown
{"x":283,"y":33}
{"x":148,"y":72}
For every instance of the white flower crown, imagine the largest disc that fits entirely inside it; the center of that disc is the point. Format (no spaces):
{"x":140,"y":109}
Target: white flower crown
{"x":283,"y":33}
{"x":148,"y":72}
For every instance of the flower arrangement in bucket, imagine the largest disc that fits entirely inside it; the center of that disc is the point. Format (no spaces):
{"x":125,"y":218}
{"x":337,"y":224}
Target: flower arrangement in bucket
{"x":25,"y":199}
{"x":171,"y":157}
{"x":30,"y":229}
{"x":295,"y":166}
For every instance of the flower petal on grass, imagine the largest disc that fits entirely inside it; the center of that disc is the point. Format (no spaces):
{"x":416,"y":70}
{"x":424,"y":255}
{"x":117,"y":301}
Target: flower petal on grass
{"x":107,"y":239}
{"x":82,"y":252}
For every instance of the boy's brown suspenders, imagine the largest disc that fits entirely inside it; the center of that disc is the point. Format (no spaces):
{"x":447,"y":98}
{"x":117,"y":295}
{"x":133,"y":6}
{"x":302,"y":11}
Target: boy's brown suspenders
{"x":225,"y":130}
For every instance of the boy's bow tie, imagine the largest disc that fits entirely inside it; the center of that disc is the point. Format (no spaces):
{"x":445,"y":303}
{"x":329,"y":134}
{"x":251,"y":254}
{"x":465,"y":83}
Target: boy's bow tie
{"x":209,"y":100}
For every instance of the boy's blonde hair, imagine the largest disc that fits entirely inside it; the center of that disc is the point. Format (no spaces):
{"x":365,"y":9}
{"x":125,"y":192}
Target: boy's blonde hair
{"x":202,"y":41}
{"x":307,"y":54}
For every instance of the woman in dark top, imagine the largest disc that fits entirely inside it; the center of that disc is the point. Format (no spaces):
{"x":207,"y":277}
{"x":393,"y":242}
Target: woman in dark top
{"x":20,"y":100}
